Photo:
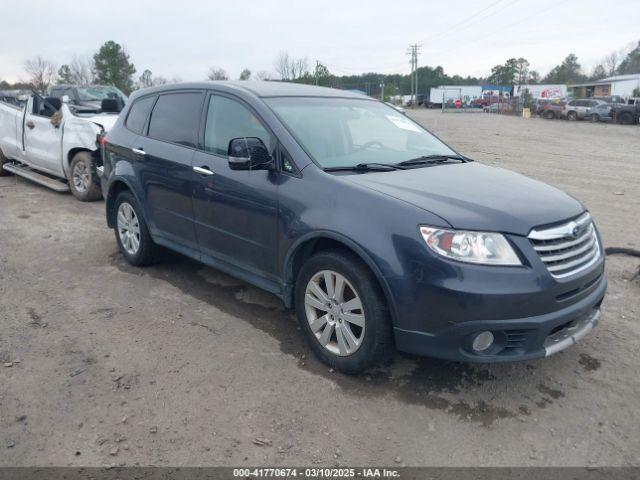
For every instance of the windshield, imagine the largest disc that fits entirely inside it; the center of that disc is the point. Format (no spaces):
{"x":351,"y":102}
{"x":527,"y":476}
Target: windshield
{"x":89,"y":94}
{"x":340,"y":132}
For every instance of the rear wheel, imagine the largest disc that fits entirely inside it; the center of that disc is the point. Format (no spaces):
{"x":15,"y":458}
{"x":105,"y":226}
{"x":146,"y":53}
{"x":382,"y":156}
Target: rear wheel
{"x":595,"y":118}
{"x":132,"y":233}
{"x":549,"y":115}
{"x":626,"y":118}
{"x":3,"y":160}
{"x":573,"y":116}
{"x":82,"y":178}
{"x":343,"y":312}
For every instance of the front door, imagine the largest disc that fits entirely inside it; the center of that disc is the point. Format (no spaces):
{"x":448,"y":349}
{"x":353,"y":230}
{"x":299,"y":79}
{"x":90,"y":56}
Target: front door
{"x":163,"y":164}
{"x":42,"y":140}
{"x":235,"y":211}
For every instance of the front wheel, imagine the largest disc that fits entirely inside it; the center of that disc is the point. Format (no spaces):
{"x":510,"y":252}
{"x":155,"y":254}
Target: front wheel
{"x":343,"y":312}
{"x":572,"y":116}
{"x":132,"y":234}
{"x":82,"y":178}
{"x":595,"y":118}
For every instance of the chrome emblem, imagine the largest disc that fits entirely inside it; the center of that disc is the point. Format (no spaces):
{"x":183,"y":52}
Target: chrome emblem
{"x":575,"y":232}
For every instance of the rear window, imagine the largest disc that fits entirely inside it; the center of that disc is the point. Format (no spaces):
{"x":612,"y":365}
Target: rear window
{"x":138,"y":114}
{"x":175,"y":118}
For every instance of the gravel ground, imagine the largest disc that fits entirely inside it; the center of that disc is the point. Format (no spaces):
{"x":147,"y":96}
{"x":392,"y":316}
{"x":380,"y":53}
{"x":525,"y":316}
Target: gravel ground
{"x":178,"y":364}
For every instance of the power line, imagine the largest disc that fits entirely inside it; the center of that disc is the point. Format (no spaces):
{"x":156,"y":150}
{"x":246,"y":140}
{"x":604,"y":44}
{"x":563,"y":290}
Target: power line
{"x":507,"y":27}
{"x":471,"y":17}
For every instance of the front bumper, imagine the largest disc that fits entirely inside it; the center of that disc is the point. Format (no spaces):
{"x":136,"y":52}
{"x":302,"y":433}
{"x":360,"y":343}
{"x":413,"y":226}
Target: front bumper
{"x":515,"y":339}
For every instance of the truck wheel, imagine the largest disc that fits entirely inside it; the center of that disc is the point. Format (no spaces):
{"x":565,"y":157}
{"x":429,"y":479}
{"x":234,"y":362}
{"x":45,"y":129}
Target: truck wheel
{"x":83,"y":181}
{"x":343,"y":312}
{"x":3,"y":160}
{"x":626,"y":118}
{"x":132,"y":233}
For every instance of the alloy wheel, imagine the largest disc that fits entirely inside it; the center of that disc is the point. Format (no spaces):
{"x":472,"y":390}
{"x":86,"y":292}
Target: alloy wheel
{"x":128,"y":228}
{"x":81,"y":177}
{"x":335,"y":313}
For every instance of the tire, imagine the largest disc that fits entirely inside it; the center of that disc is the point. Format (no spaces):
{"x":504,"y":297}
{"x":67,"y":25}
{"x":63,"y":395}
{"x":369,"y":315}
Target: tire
{"x":146,"y":251}
{"x":572,"y":116}
{"x":595,"y":118}
{"x":3,"y":160}
{"x":549,"y":115}
{"x":83,"y":180}
{"x":626,"y":118}
{"x":374,"y":337}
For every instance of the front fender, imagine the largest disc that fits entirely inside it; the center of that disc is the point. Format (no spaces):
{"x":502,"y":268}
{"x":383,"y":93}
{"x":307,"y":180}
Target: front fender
{"x":288,"y":288}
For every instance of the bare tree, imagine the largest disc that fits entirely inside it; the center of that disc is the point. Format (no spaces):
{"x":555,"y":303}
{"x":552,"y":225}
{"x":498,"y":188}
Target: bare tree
{"x":282,"y":66}
{"x":289,"y":68}
{"x":299,"y":67}
{"x":217,"y":74}
{"x":611,"y":62}
{"x":82,"y":70}
{"x":42,"y":73}
{"x":263,"y":75}
{"x":146,"y":79}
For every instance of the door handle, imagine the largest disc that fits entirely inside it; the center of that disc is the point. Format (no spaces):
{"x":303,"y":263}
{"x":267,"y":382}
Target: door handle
{"x":203,"y":170}
{"x":138,"y":151}
{"x":31,"y":125}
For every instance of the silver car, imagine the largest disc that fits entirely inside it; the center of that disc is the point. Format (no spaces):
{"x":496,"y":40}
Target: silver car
{"x":580,"y":109}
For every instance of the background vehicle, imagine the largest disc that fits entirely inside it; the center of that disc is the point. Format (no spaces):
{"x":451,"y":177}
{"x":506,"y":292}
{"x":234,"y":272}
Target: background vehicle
{"x":552,"y":109}
{"x":88,"y":98}
{"x":46,"y":143}
{"x":601,"y":113}
{"x":626,"y":113}
{"x":580,"y":109}
{"x":365,"y":222}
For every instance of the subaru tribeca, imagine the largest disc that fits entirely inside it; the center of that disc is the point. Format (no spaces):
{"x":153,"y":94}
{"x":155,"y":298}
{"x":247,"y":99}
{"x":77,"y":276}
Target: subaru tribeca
{"x":378,"y":234}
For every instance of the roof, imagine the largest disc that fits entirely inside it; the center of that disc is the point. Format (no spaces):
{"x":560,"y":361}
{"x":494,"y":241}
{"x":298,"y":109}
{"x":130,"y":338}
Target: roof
{"x":264,"y":88}
{"x":605,"y":81}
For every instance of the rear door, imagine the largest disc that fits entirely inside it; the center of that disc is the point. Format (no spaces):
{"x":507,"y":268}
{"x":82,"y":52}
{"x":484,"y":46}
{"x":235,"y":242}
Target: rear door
{"x":43,"y":140}
{"x":163,"y":159}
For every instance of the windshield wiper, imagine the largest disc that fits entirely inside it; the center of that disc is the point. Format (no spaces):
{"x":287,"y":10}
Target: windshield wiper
{"x":430,"y":160}
{"x":367,"y":167}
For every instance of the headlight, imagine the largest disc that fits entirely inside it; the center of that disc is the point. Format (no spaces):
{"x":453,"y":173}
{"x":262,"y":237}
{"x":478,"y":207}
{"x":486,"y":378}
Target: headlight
{"x":472,"y":247}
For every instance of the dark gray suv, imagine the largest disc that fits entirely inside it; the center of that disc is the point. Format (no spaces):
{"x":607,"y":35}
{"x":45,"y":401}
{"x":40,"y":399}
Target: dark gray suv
{"x":375,"y":231}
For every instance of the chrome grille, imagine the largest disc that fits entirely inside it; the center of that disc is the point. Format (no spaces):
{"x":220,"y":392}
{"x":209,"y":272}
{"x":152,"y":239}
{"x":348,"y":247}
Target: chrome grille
{"x":568,"y":248}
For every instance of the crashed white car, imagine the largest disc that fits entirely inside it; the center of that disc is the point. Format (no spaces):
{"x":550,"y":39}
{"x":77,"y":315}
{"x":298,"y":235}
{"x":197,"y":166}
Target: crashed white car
{"x":45,"y":142}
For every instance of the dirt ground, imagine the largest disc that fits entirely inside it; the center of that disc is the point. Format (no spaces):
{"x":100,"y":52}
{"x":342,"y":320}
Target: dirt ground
{"x":178,"y":364}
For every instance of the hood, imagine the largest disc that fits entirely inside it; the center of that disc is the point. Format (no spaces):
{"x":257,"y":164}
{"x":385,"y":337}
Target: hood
{"x":105,"y":120}
{"x":473,"y":196}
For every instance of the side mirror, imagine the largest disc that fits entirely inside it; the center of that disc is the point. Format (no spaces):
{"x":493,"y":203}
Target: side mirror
{"x":65,"y":99}
{"x":248,"y":153}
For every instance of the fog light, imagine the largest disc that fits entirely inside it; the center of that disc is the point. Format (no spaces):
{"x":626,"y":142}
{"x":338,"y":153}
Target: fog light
{"x":482,"y":341}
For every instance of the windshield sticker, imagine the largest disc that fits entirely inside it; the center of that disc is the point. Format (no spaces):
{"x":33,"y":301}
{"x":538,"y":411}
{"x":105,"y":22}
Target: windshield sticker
{"x":403,"y":123}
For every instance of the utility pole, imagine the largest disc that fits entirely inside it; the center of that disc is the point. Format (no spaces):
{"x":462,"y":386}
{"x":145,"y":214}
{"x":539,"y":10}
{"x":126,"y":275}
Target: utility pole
{"x":414,"y":51}
{"x":317,"y":63}
{"x":382,"y":89}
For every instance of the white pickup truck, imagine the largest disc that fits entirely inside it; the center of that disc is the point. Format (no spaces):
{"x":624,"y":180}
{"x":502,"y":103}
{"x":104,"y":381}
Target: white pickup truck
{"x":48,"y":144}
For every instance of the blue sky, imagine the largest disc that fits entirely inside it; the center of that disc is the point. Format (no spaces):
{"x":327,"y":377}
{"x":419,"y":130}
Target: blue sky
{"x":184,"y":38}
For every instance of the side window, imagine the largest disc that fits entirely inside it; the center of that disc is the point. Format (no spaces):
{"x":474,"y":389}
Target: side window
{"x":228,"y":119}
{"x":175,"y":118}
{"x":138,"y":114}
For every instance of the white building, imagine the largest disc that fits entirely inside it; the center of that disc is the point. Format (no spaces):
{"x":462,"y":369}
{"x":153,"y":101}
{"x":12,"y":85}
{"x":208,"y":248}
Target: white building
{"x":622,"y":85}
